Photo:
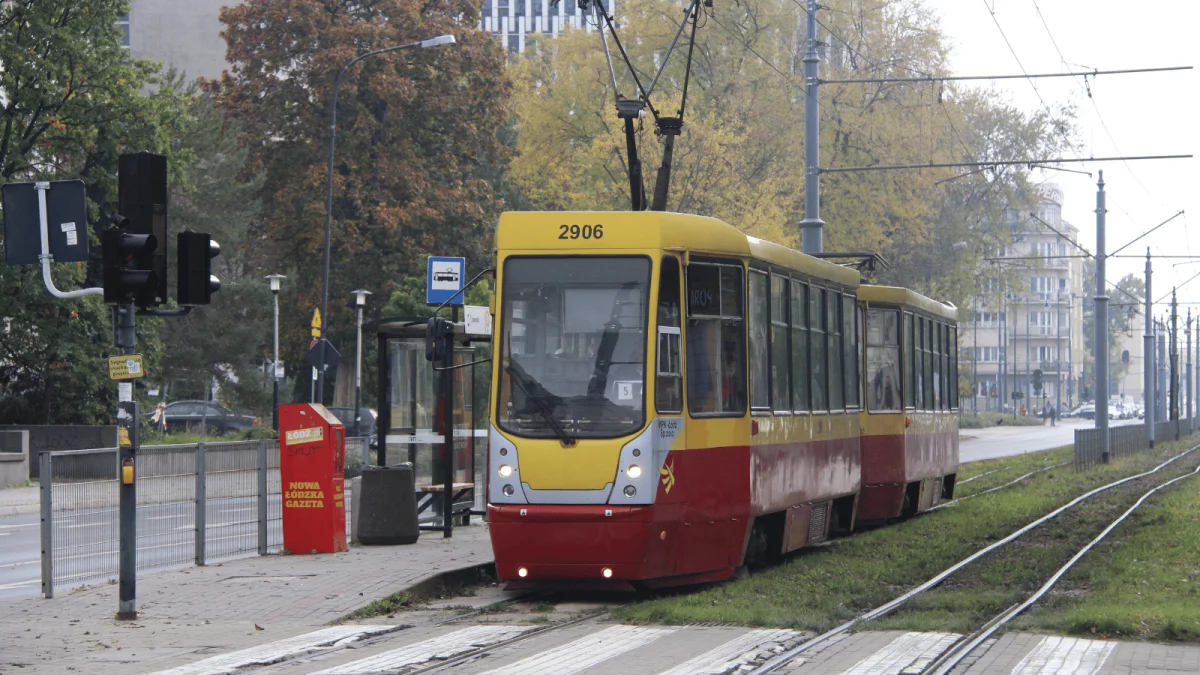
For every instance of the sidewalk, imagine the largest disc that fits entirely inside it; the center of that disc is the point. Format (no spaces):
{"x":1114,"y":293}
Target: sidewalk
{"x":204,"y":610}
{"x":19,"y":501}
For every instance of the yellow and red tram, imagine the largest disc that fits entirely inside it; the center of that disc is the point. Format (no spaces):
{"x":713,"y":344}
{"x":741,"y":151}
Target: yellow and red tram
{"x":670,"y":397}
{"x":910,"y":421}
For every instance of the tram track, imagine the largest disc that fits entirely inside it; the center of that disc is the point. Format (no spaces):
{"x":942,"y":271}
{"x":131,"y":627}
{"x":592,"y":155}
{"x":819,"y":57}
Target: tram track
{"x":998,"y":487}
{"x":970,"y":643}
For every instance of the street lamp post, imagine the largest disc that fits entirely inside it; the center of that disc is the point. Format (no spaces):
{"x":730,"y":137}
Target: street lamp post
{"x":337,"y":85}
{"x":360,"y":301}
{"x":274,"y":280}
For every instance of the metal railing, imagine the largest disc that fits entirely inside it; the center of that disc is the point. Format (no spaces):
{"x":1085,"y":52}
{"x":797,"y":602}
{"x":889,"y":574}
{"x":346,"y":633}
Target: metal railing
{"x":1127,"y":439}
{"x":196,"y":504}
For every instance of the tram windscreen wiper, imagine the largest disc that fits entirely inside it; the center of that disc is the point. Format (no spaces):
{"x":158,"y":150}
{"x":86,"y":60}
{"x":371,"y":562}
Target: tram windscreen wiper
{"x":540,"y":407}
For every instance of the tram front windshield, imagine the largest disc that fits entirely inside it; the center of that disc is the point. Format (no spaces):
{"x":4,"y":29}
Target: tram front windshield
{"x":573,"y":346}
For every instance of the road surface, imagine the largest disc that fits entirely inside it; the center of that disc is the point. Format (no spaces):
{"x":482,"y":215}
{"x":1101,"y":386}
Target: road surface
{"x":1004,"y":441}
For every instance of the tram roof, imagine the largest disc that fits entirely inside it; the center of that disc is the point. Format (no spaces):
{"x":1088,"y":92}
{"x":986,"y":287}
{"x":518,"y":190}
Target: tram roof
{"x":893,"y":295}
{"x":540,"y":230}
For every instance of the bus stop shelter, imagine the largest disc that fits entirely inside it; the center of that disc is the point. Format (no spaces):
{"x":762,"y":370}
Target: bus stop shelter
{"x":414,"y":396}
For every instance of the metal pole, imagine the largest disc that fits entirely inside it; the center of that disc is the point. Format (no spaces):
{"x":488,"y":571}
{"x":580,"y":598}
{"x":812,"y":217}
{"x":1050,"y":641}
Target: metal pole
{"x":1148,"y":398}
{"x":1101,"y":326}
{"x":358,"y":377}
{"x":1161,"y":363}
{"x":262,"y":497}
{"x":275,"y":369}
{"x":201,"y":516}
{"x":1173,"y":355}
{"x":1001,"y":352}
{"x":45,"y":481}
{"x":812,"y":227}
{"x":1187,"y":369}
{"x":1028,"y":383}
{"x":127,"y":443}
{"x":1058,"y":359}
{"x":448,"y":433}
{"x":1070,"y":353}
{"x":975,"y":360}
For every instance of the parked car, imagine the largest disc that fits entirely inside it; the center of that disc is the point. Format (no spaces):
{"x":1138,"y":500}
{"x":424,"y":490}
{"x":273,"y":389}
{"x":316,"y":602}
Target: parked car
{"x":1087,"y":412}
{"x":190,"y":415}
{"x":367,"y":420}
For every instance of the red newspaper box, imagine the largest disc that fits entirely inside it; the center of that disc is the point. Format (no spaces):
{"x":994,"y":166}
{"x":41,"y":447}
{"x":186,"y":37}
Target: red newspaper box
{"x":312,"y":459}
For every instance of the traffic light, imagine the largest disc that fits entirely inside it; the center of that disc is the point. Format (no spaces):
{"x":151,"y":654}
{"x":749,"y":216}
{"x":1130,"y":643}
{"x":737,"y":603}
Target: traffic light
{"x":438,"y":336}
{"x":1037,"y":381}
{"x":142,"y":202}
{"x":128,"y":263}
{"x":196,"y":281}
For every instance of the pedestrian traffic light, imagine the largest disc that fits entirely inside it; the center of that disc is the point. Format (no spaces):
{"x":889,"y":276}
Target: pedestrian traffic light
{"x":1037,"y":381}
{"x":438,"y":336}
{"x":196,"y":281}
{"x":142,"y":202}
{"x":128,"y":263}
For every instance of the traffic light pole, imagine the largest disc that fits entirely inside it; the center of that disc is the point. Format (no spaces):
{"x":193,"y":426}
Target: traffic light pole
{"x":128,"y":443}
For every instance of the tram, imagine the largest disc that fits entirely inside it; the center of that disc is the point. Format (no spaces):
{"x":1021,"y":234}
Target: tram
{"x":910,"y":421}
{"x":672,"y":397}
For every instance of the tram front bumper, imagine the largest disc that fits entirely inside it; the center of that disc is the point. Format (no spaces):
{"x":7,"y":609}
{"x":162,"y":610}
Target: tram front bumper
{"x":564,"y":542}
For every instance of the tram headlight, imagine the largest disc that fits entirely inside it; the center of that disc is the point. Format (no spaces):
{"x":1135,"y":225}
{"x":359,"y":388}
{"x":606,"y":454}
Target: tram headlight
{"x":630,"y":491}
{"x":634,"y":471}
{"x":522,"y":572}
{"x":607,"y":572}
{"x":508,"y":490}
{"x":505,"y":471}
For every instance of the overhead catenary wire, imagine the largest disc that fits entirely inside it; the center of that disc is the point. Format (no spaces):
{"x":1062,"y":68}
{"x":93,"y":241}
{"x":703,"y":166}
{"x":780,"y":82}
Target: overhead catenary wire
{"x":999,"y":162}
{"x":1032,"y":76}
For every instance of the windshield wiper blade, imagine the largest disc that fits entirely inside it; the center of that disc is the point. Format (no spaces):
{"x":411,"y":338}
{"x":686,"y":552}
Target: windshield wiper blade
{"x":540,"y":407}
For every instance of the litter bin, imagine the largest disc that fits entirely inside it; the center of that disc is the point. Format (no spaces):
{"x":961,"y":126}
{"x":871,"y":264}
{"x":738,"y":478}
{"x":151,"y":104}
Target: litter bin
{"x":388,"y":511}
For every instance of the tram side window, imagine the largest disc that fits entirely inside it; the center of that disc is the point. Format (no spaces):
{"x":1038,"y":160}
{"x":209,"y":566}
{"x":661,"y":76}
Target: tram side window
{"x":927,"y":341}
{"x":883,"y":360}
{"x":781,"y":384}
{"x":799,"y":346}
{"x":668,"y":386}
{"x":833,"y":330}
{"x":910,"y":356}
{"x":919,"y":361}
{"x":816,"y":343}
{"x":851,"y":350}
{"x":936,"y":353}
{"x":954,"y":368}
{"x":716,"y":346}
{"x":760,"y":384}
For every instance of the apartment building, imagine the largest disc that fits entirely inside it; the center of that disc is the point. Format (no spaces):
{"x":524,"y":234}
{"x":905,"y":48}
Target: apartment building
{"x":1026,"y":316}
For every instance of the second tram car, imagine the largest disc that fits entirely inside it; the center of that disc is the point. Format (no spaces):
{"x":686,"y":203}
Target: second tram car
{"x":671,"y":397}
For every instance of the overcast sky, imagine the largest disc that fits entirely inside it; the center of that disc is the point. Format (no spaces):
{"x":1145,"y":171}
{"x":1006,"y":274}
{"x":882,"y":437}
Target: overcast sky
{"x":1145,"y":114}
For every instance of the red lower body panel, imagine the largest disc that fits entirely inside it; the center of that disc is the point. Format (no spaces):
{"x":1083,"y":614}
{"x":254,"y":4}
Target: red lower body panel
{"x":891,"y":462}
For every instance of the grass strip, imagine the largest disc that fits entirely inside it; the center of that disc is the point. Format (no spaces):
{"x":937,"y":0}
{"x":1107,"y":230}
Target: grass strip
{"x":819,"y":588}
{"x":1142,"y":582}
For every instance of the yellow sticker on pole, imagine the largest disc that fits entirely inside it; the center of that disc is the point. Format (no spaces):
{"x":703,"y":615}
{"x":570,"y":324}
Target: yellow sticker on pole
{"x":123,"y":437}
{"x":125,"y":367}
{"x":316,"y":323}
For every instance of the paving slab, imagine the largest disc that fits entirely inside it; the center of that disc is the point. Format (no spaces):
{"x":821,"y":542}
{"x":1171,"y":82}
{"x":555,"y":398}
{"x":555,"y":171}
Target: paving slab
{"x":198,"y":612}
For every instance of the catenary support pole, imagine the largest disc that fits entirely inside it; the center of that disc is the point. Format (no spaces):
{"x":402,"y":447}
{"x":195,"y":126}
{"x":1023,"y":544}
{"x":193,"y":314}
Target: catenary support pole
{"x":1101,"y":326}
{"x":1058,"y":360}
{"x":1173,"y":356}
{"x":1186,"y":397}
{"x":975,"y":353}
{"x":812,"y":228}
{"x":1148,"y":397}
{"x":127,"y":442}
{"x":1160,"y":362}
{"x":1028,"y":372}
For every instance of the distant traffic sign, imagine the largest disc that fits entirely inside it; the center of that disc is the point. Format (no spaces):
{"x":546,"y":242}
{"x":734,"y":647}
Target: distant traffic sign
{"x":313,"y":357}
{"x":444,"y":280}
{"x":125,"y":367}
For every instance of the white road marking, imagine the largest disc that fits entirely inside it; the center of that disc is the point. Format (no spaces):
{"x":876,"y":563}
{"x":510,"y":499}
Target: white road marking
{"x":733,"y":654}
{"x":273,"y":652}
{"x":14,"y":527}
{"x":19,"y":564}
{"x":909,"y":653}
{"x":175,"y":516}
{"x":585,"y":652}
{"x":438,"y":648}
{"x":19,"y":584}
{"x":1065,"y":656}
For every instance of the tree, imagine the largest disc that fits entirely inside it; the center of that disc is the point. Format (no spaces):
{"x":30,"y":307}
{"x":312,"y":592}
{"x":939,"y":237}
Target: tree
{"x":72,"y":101}
{"x":418,"y":134}
{"x":740,"y":156}
{"x":227,"y":341}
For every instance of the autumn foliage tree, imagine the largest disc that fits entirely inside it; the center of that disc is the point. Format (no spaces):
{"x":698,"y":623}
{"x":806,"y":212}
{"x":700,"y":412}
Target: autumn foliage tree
{"x":740,"y":157}
{"x":417,"y":137}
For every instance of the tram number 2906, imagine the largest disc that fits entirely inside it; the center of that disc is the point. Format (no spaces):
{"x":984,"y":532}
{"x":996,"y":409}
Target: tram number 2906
{"x":580,"y":231}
